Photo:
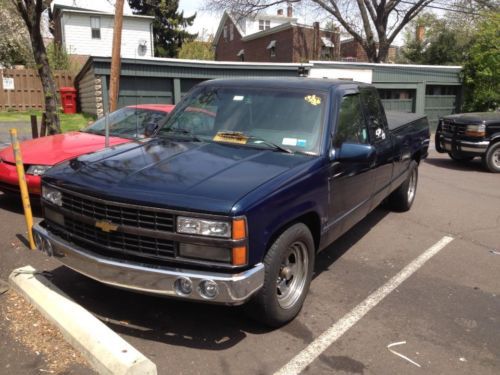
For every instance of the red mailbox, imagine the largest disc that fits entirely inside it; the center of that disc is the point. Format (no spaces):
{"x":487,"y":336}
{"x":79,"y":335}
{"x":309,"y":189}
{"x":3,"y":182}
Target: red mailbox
{"x":68,"y":99}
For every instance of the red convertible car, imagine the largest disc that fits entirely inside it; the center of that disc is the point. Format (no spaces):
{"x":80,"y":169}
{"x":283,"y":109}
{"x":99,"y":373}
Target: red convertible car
{"x":125,"y":125}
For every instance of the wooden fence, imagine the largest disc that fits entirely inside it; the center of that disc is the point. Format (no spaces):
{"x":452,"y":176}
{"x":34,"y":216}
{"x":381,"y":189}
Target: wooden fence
{"x":21,"y":89}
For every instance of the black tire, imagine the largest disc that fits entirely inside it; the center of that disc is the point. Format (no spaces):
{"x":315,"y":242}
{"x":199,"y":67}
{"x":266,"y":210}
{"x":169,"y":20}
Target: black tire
{"x":437,"y":137}
{"x":403,"y":197}
{"x":492,"y":158}
{"x":460,"y":158}
{"x":270,"y":306}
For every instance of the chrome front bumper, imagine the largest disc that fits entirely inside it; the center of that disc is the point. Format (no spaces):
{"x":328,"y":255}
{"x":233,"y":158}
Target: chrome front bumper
{"x":478,"y":147}
{"x":233,"y":289}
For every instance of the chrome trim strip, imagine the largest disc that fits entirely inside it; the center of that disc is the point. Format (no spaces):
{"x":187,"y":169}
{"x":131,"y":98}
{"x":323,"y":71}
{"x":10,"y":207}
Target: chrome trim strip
{"x":233,"y":289}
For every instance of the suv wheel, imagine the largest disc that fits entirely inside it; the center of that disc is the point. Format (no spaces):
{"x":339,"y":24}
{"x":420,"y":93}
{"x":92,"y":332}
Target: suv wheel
{"x":492,"y":158}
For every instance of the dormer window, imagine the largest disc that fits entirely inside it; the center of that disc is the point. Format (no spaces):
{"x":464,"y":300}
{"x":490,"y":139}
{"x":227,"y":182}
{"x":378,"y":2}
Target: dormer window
{"x":95,"y":27}
{"x":264,"y":25}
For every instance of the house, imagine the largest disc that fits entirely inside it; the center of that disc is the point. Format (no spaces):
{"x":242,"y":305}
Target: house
{"x":85,"y":28}
{"x":280,"y":38}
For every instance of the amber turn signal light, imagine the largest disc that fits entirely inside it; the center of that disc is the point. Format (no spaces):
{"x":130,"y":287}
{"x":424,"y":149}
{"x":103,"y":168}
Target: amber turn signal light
{"x":239,"y":229}
{"x":239,"y":257}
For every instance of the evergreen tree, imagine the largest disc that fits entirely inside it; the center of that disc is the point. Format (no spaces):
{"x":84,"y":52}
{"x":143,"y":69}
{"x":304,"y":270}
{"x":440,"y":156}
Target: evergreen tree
{"x":168,"y":26}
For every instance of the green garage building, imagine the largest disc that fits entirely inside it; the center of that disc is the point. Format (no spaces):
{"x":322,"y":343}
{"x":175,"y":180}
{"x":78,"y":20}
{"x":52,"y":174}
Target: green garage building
{"x":433,"y":90}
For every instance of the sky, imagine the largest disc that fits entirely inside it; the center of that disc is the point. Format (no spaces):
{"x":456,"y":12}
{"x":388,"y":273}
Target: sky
{"x":205,"y":22}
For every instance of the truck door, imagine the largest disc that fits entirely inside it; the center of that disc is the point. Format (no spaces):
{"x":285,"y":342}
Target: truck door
{"x":381,"y":139}
{"x":350,"y":187}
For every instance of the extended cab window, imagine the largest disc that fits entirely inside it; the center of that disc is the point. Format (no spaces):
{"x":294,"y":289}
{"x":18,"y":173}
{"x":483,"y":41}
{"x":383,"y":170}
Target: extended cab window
{"x":351,"y":125}
{"x":374,"y":111}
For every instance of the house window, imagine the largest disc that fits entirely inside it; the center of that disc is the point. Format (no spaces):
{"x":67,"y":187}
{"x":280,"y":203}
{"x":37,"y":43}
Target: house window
{"x":264,"y":25}
{"x":241,"y":55}
{"x":231,"y":32}
{"x":272,"y":48}
{"x":225,"y":32}
{"x":95,"y":27}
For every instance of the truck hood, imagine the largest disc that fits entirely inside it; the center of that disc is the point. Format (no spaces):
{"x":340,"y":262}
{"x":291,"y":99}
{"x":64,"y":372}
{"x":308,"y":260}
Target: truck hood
{"x":56,"y":148}
{"x":193,"y":176}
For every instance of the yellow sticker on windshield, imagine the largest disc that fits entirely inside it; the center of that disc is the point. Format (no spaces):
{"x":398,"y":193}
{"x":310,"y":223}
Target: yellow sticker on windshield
{"x":313,"y":99}
{"x":231,"y":138}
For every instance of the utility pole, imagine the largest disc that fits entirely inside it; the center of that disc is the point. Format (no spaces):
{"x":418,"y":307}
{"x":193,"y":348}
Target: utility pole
{"x":115,"y":56}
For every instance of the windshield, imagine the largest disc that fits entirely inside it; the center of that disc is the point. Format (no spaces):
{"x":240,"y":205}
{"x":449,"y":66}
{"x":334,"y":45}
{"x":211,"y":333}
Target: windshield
{"x":127,"y":122}
{"x":291,"y":120}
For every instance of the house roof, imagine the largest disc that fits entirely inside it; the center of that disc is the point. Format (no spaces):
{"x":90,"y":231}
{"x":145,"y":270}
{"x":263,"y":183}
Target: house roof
{"x":222,"y":21}
{"x":106,"y":6}
{"x":84,"y":8}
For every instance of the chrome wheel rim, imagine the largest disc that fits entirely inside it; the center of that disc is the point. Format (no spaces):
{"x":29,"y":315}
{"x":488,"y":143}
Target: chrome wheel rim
{"x":292,"y":275}
{"x":412,"y":186}
{"x":496,"y":158}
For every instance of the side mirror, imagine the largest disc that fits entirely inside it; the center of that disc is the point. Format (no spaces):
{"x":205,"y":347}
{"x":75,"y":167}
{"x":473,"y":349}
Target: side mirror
{"x":150,"y":129}
{"x":353,"y":153}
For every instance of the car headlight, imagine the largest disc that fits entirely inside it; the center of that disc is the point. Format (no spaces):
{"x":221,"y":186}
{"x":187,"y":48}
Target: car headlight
{"x":52,"y":195}
{"x":202,"y":227}
{"x":37,"y":170}
{"x":475,"y":130}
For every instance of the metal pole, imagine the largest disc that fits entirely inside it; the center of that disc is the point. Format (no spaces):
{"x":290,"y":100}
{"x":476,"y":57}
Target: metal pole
{"x":115,"y":57}
{"x":23,"y":186}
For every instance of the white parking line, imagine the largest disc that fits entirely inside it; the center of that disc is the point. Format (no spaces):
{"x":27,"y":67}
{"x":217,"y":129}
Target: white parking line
{"x":327,"y":338}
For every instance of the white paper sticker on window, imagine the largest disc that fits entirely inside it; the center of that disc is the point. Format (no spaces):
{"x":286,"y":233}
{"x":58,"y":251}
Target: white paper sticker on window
{"x":289,"y":141}
{"x":238,"y":98}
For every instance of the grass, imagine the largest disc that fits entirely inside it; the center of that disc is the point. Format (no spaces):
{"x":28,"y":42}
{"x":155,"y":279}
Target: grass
{"x":69,"y":122}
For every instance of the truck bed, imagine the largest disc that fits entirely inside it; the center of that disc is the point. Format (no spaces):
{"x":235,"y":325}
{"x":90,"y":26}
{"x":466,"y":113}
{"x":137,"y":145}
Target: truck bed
{"x":396,"y":120}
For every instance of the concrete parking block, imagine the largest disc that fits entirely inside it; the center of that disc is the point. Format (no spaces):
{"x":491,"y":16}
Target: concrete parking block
{"x":105,"y":350}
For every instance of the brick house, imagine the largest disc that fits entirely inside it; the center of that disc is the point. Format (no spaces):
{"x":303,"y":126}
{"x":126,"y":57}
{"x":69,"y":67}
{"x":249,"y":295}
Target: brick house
{"x":269,"y":38}
{"x":279,"y":38}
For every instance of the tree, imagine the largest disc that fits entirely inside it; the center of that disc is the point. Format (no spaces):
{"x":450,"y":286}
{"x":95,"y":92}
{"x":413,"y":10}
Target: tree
{"x":482,"y":68}
{"x":197,"y":50}
{"x":374,"y":24}
{"x":31,"y":12}
{"x":168,"y":25}
{"x":445,"y":42}
{"x":14,"y":40}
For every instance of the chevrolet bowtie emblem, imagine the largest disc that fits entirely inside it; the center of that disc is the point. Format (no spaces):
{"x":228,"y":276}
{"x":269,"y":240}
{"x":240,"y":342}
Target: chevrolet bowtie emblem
{"x":106,"y":226}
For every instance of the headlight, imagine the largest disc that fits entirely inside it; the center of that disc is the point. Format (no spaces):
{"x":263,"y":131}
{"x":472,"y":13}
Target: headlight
{"x":52,"y":195}
{"x":203,"y":227}
{"x":37,"y":170}
{"x":475,"y":130}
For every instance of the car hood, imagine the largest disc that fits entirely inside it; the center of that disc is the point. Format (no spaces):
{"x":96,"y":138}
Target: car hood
{"x":53,"y":149}
{"x":193,"y":176}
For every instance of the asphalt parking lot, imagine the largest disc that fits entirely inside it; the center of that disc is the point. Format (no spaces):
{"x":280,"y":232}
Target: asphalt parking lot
{"x":447,"y":311}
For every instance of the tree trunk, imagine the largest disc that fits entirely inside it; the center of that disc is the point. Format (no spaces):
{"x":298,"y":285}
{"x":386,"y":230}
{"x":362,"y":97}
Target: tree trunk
{"x":31,"y":12}
{"x":48,"y":84}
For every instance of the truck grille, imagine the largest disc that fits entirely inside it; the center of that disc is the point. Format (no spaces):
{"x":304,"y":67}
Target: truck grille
{"x":142,"y":217}
{"x":450,"y":127}
{"x":116,"y":244}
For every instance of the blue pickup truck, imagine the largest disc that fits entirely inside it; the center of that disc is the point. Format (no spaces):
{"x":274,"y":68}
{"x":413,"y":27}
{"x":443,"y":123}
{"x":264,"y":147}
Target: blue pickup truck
{"x":240,"y":188}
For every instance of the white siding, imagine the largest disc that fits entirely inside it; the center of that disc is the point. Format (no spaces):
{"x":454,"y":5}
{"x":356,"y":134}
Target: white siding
{"x":78,"y":40}
{"x":252,"y":24}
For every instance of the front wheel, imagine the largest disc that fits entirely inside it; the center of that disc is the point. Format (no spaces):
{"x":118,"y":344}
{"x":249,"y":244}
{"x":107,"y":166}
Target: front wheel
{"x":403,"y":197}
{"x":289,"y":266}
{"x":492,"y":158}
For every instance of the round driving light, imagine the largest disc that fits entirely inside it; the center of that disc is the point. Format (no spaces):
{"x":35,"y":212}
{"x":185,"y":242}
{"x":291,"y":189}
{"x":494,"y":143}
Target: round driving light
{"x":183,"y":286}
{"x":48,"y":248}
{"x":208,"y":289}
{"x":38,"y":240}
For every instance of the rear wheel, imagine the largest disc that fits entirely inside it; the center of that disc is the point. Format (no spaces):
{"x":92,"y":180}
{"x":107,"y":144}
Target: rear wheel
{"x":288,"y":271}
{"x":460,"y":158}
{"x":492,"y":158}
{"x":403,"y":197}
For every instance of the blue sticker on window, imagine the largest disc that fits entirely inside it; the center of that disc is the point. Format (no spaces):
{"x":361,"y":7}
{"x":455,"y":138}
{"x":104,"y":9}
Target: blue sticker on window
{"x":301,"y":143}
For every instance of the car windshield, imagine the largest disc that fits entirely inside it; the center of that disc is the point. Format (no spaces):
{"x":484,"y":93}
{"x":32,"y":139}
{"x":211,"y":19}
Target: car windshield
{"x":127,"y":122}
{"x":286,"y":120}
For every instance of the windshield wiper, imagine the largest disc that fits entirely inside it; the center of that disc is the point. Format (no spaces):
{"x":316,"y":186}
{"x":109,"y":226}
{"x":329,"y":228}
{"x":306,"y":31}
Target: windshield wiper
{"x":182,"y":131}
{"x":258,"y":140}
